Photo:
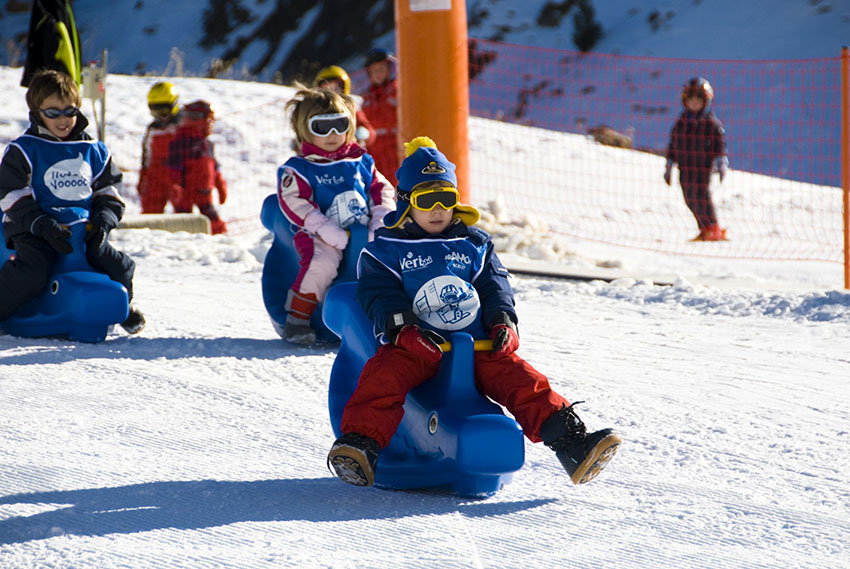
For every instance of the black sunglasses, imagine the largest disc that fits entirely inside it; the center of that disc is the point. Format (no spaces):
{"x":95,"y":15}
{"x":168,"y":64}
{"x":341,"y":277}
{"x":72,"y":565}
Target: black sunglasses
{"x":54,"y":113}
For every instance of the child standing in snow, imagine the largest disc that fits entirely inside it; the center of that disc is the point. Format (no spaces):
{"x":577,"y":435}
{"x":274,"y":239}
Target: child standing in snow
{"x":194,"y":169}
{"x":698,"y":146}
{"x":51,"y":177}
{"x":380,"y":103}
{"x":458,"y":260}
{"x":154,"y":178}
{"x":332,"y":184}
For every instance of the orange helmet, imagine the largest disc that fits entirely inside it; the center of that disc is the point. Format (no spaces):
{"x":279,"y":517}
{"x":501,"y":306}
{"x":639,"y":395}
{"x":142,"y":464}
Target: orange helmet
{"x":698,"y":87}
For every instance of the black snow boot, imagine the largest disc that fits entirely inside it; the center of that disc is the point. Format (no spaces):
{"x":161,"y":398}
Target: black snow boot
{"x":353,"y":458}
{"x":135,"y":321}
{"x":583,"y":456}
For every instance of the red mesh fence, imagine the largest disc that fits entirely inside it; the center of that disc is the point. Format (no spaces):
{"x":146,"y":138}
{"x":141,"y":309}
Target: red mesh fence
{"x":544,"y":131}
{"x":578,"y":140}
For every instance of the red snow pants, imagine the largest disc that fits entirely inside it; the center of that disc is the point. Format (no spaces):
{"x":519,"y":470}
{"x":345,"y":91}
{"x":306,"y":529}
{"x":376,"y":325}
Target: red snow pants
{"x":376,"y":406}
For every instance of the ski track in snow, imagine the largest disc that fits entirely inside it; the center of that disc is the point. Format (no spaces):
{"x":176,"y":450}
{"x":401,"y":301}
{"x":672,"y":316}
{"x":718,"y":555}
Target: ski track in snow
{"x":202,"y":442}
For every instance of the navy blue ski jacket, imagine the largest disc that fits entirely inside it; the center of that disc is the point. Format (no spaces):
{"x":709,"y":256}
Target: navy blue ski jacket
{"x":452,"y":281}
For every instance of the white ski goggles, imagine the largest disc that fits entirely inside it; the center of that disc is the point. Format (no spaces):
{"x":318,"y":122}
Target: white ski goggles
{"x":324,"y":125}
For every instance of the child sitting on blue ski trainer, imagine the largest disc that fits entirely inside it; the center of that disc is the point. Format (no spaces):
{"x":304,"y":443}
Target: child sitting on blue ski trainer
{"x":331,"y":185}
{"x":430,"y":272}
{"x":51,"y":177}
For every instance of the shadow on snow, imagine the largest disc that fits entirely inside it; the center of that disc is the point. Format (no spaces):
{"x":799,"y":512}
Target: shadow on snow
{"x":188,"y":505}
{"x":58,"y":350}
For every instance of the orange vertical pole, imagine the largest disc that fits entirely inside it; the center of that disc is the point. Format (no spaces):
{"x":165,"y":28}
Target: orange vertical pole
{"x":845,"y":156}
{"x":433,"y":78}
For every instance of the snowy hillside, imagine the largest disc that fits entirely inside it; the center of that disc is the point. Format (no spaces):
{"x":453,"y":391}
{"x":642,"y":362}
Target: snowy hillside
{"x":253,"y":139}
{"x":259,"y":38}
{"x":202,"y":441}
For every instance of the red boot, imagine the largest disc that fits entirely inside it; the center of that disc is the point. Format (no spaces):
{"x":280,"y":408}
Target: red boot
{"x":714,"y":233}
{"x":218,"y":226}
{"x":711,"y":233}
{"x":300,"y":308}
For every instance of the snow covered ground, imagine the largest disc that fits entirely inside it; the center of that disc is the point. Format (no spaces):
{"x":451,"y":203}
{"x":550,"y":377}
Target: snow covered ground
{"x":202,"y":441}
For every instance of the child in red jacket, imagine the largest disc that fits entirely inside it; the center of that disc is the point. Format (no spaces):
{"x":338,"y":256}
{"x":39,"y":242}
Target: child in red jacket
{"x":154,"y":177}
{"x":380,"y":104}
{"x":194,"y":170}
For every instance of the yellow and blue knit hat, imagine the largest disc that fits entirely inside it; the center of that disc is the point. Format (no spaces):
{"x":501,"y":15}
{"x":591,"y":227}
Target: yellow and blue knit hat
{"x":424,"y":163}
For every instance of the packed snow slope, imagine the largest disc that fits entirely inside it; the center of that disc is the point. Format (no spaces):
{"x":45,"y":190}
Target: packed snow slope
{"x":202,"y":441}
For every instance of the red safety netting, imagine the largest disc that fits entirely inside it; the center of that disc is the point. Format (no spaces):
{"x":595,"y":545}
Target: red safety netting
{"x":544,"y":132}
{"x":779,"y":200}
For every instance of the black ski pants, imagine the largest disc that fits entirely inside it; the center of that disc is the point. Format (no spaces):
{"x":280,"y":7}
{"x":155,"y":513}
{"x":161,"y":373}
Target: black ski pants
{"x":25,"y":276}
{"x":697,"y":196}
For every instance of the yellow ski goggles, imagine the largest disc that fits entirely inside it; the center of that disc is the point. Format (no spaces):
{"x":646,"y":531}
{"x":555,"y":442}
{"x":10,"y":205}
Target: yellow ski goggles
{"x":427,"y":199}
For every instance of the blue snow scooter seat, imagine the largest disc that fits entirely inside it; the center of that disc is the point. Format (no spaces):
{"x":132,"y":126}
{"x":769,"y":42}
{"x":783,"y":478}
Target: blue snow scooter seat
{"x":450,"y":435}
{"x":79,"y":303}
{"x":280,"y":267}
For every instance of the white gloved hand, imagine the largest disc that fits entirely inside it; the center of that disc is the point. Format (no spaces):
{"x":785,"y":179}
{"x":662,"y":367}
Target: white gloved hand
{"x":668,"y":171}
{"x":377,"y":220}
{"x":721,"y":164}
{"x":361,"y":133}
{"x":328,"y":231}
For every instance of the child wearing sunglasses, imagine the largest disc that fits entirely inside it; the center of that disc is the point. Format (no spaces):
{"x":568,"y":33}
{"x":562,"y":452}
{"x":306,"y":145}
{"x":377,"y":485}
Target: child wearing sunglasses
{"x":431,"y":272}
{"x":52,"y":177}
{"x":329,"y":186}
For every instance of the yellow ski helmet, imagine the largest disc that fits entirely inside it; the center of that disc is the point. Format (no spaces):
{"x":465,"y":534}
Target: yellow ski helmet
{"x":334,"y":72}
{"x":163,"y":93}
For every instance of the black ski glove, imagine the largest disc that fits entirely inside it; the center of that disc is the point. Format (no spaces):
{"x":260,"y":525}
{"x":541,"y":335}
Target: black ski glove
{"x":56,"y":234}
{"x":100,"y":224}
{"x":398,"y":321}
